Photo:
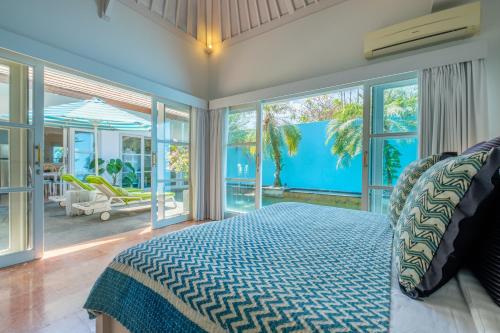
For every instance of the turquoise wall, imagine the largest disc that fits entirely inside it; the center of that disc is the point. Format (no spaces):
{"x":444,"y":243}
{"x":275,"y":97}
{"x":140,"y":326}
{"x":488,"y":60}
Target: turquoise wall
{"x":314,"y":167}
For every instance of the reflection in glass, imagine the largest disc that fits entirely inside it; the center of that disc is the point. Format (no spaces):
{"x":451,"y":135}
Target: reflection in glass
{"x":84,"y":153}
{"x":15,"y":152}
{"x":147,"y":163}
{"x":242,"y":127}
{"x":395,"y":107}
{"x":389,"y":158}
{"x":131,"y":145}
{"x":15,"y":75}
{"x":240,"y":196}
{"x":173,"y":163}
{"x":240,"y":162}
{"x":379,"y":200}
{"x":15,"y":222}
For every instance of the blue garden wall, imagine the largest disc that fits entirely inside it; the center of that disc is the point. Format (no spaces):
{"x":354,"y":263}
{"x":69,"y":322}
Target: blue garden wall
{"x":314,"y":167}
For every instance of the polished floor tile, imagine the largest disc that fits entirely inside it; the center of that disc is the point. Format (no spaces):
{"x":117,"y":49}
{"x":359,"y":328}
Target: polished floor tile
{"x":47,"y":295}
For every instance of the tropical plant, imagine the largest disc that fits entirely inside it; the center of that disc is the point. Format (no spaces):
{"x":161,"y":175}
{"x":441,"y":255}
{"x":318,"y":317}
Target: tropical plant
{"x":346,"y":132}
{"x":241,"y":132}
{"x":277,"y":134}
{"x":129,"y":176}
{"x":179,"y":160}
{"x":113,"y":168}
{"x":345,"y":129}
{"x":392,"y":159}
{"x":91,"y":166}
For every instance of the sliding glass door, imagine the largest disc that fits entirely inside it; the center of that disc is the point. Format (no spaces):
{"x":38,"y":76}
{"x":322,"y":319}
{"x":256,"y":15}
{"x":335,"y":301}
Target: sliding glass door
{"x":21,"y":156}
{"x":392,"y":138}
{"x":242,"y":159}
{"x":171,"y":163}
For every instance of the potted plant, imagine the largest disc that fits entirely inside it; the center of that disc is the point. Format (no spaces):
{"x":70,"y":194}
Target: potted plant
{"x":115,"y":166}
{"x":91,"y":166}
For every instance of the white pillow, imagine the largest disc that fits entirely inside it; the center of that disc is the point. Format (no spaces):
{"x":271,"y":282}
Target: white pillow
{"x":485,"y":313}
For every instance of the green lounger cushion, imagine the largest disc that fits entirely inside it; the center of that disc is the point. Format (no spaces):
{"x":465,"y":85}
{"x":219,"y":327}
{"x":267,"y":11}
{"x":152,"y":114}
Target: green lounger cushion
{"x":69,"y":178}
{"x":125,"y":195}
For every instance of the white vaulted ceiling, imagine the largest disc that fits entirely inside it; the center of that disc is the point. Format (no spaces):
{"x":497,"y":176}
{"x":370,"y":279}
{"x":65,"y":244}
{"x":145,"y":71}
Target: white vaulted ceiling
{"x":214,"y":21}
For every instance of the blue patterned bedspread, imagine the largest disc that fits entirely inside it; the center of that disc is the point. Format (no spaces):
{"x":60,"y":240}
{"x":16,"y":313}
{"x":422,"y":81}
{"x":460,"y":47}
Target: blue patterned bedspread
{"x":287,"y":267}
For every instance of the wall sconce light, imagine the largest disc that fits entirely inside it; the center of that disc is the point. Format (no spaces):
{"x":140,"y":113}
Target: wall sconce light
{"x":209,"y":49}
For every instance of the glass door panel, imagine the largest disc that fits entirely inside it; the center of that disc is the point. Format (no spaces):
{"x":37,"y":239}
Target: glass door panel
{"x":83,"y":159}
{"x":21,"y":196}
{"x":171,"y":164}
{"x":132,"y":159}
{"x":242,"y":159}
{"x":393,"y":136}
{"x":147,"y":163}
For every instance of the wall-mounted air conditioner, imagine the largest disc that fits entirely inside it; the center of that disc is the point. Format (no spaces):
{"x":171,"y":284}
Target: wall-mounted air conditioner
{"x":455,"y":23}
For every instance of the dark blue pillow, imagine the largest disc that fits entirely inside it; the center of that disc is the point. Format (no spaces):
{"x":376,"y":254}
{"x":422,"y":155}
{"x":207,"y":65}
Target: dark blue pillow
{"x":483,"y":146}
{"x":484,"y":260}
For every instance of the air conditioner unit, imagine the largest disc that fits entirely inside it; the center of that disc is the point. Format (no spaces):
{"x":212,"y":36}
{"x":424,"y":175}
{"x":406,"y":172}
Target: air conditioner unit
{"x":446,"y":25}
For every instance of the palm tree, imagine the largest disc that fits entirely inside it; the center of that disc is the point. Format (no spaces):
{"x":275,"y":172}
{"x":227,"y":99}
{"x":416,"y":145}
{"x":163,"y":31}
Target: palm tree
{"x":346,"y":129}
{"x":279,"y":133}
{"x":346,"y":132}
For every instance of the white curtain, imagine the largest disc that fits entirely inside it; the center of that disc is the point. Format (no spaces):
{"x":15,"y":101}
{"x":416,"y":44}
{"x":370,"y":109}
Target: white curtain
{"x":453,"y":107}
{"x":217,"y":166}
{"x":199,"y":162}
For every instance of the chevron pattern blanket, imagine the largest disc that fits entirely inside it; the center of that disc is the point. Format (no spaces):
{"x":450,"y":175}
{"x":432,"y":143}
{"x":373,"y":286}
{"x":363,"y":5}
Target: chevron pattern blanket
{"x":286,"y":267}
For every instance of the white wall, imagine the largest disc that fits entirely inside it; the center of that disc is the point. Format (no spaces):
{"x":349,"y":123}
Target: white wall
{"x":128,"y":42}
{"x":331,"y":41}
{"x":326,"y":42}
{"x":491,"y":33}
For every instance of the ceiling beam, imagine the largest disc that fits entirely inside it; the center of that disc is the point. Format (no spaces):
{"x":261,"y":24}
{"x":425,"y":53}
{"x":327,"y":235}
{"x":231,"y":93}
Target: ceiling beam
{"x":290,"y":6}
{"x":104,"y":8}
{"x":213,"y":21}
{"x":257,"y":12}
{"x":201,"y":24}
{"x":226,"y":18}
{"x":216,"y":22}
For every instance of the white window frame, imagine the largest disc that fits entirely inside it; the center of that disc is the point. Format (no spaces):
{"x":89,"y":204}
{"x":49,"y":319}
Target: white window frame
{"x":367,"y":134}
{"x":72,"y":134}
{"x":257,"y":180}
{"x":142,"y":155}
{"x":157,"y":180}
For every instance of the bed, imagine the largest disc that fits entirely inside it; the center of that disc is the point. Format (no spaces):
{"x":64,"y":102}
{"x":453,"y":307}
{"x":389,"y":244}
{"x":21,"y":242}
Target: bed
{"x":286,"y":267}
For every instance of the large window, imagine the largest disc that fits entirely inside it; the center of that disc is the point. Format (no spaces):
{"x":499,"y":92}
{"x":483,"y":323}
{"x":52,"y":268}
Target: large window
{"x":241,"y":161}
{"x":393,"y":137}
{"x":136,"y":155}
{"x":343,"y":148}
{"x":311,"y":149}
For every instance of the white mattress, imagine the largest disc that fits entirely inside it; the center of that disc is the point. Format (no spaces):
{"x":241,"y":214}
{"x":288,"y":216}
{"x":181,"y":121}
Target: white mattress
{"x":445,"y":311}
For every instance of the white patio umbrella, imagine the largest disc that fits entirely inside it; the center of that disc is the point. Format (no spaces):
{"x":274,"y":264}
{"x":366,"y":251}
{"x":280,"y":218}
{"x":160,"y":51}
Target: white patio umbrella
{"x":94,"y":114}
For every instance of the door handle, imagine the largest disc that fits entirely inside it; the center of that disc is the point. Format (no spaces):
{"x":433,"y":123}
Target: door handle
{"x":38,"y":152}
{"x":365,"y":158}
{"x":153,"y":159}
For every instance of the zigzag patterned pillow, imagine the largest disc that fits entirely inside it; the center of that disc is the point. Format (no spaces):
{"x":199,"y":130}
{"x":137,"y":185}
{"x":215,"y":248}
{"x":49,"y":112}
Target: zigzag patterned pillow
{"x":429,"y":224}
{"x":405,"y":183}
